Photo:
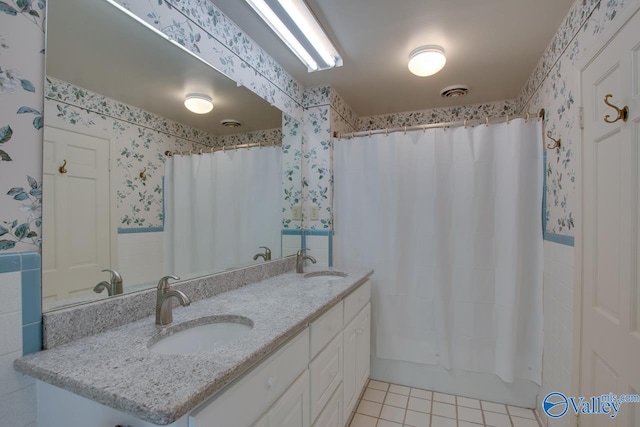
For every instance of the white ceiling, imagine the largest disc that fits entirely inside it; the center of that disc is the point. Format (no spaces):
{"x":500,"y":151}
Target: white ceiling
{"x":491,"y":45}
{"x":97,"y":47}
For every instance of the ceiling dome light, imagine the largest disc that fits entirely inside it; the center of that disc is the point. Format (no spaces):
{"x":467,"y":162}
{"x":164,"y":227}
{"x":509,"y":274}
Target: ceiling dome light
{"x":198,"y":103}
{"x":426,"y":60}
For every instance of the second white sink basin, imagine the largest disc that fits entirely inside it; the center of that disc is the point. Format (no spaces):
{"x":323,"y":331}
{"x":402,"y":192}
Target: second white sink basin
{"x":326,"y":277}
{"x":215,"y":333}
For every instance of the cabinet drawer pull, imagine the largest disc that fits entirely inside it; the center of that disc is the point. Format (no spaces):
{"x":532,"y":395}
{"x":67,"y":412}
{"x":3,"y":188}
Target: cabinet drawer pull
{"x":271,"y":382}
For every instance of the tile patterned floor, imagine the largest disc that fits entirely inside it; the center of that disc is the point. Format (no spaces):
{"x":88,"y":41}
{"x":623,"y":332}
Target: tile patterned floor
{"x":391,"y":405}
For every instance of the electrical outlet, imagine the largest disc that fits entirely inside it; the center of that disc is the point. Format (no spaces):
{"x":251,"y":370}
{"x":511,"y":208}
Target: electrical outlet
{"x":314,"y":213}
{"x":296,"y":213}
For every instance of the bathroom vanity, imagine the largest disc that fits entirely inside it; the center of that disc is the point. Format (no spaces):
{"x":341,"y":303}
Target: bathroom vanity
{"x":301,"y":360}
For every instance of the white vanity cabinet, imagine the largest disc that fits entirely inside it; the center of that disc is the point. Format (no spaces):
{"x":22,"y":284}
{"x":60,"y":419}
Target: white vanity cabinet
{"x":313,"y":380}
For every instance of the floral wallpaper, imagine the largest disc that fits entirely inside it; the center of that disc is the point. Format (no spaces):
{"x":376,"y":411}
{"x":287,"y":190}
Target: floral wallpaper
{"x":325,"y":112}
{"x":438,"y":115}
{"x":265,"y":137}
{"x":554,"y":87}
{"x":138,"y":142}
{"x":292,"y":170}
{"x":200,"y":27}
{"x":21,"y":71}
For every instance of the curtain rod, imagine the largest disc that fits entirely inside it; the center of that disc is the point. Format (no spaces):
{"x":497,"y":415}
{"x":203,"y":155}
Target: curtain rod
{"x":445,"y":125}
{"x":223,"y":148}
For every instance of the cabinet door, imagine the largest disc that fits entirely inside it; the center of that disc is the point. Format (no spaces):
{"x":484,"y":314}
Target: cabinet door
{"x":363,"y":347}
{"x":349,"y":369}
{"x":292,"y":409}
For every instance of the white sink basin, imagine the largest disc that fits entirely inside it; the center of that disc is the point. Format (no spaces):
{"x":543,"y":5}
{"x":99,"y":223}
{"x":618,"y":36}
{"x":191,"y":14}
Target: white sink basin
{"x":328,"y":276}
{"x":216,"y":332}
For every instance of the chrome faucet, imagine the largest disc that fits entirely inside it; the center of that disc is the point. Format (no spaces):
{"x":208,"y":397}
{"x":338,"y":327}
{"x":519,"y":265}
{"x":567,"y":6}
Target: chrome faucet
{"x":300,"y":260}
{"x":265,"y":256}
{"x":164,"y":309}
{"x":113,"y":286}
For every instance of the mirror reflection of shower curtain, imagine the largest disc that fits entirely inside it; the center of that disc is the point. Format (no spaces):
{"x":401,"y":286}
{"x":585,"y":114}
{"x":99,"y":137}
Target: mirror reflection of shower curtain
{"x":219,"y":208}
{"x":451,"y":222}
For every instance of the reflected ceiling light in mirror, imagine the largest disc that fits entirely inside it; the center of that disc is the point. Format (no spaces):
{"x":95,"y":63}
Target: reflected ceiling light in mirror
{"x":300,"y":20}
{"x":427,"y":60}
{"x":198,"y":103}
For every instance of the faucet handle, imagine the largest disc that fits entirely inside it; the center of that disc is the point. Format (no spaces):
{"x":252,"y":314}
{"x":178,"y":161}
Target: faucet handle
{"x":164,"y":282}
{"x":115,"y":276}
{"x":301,"y":251}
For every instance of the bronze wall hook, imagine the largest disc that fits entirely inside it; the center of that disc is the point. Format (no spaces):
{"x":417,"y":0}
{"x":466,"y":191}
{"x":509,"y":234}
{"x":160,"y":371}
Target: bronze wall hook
{"x":623,"y":114}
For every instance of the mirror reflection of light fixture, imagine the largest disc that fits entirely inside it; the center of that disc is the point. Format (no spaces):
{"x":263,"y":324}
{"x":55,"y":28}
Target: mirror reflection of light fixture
{"x":298,"y":28}
{"x":198,"y":103}
{"x":426,"y":60}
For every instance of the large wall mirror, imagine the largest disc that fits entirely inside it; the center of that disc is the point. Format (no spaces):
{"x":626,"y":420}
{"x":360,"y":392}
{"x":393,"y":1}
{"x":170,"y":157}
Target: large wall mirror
{"x":120,"y":207}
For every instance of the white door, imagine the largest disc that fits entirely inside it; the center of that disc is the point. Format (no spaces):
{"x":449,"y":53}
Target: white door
{"x":610,"y":353}
{"x":75,"y":211}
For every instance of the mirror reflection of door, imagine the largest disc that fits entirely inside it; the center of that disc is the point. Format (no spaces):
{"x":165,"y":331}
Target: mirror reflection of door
{"x":76,"y":218}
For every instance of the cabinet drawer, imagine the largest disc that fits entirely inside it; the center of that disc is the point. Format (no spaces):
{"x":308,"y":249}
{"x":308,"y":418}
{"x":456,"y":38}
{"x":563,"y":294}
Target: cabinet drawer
{"x":325,"y":328}
{"x":326,"y":375}
{"x":331,"y":415}
{"x":260,"y":388}
{"x":357,"y":299}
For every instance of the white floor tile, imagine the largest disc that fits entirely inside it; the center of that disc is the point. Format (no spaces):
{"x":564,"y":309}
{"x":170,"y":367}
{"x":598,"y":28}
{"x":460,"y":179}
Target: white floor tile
{"x":369,"y":408}
{"x":373,"y":395}
{"x":494,"y":407}
{"x":524,"y":422}
{"x":396,"y":400}
{"x":443,"y":409}
{"x":360,"y":420}
{"x":442,"y":422}
{"x":521,"y":412}
{"x":444,"y":398}
{"x":416,"y":419}
{"x":421,"y":394}
{"x":470,"y":414}
{"x":399,"y":389}
{"x":466,"y":424}
{"x":385,"y":423}
{"x":391,"y":413}
{"x":419,"y":405}
{"x":378,"y":385}
{"x":496,"y":420}
{"x":469,"y":403}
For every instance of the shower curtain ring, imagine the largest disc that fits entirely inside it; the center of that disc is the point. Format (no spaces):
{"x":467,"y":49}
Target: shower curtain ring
{"x":211,"y":151}
{"x":405,"y":130}
{"x":507,"y":119}
{"x":369,"y":133}
{"x":465,"y":123}
{"x":386,"y":132}
{"x":200,"y":152}
{"x":527,"y":119}
{"x":487,"y":122}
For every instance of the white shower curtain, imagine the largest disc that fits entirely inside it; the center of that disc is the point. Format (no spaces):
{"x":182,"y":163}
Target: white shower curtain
{"x":451,"y":222}
{"x":219,"y":208}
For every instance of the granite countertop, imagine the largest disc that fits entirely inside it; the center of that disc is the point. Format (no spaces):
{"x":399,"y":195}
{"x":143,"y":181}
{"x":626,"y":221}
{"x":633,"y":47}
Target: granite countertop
{"x":116,"y":368}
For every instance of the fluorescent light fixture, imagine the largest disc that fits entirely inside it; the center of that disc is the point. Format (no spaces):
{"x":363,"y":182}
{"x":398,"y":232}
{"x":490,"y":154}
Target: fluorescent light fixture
{"x":307,"y":26}
{"x":198,"y":103}
{"x":426,"y":60}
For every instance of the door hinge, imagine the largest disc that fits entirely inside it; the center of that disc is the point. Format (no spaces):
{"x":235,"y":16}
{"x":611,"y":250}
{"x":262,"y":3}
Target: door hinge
{"x":581,"y":115}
